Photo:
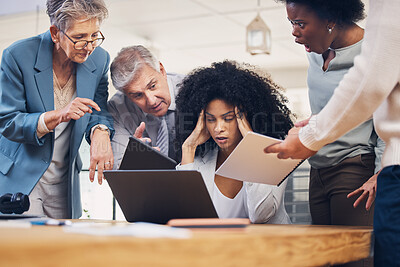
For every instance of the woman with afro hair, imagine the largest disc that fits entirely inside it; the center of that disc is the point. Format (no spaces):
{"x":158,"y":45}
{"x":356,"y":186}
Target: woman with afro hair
{"x":216,"y":107}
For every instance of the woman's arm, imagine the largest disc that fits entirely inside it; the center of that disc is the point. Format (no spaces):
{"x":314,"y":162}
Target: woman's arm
{"x":199,"y":136}
{"x":368,"y":189}
{"x":263,"y":201}
{"x":101,"y":155}
{"x":73,"y":111}
{"x":16,"y":123}
{"x":100,"y":98}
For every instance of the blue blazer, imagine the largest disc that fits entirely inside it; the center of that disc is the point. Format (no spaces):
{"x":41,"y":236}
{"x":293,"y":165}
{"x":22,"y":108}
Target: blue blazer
{"x":26,"y":91}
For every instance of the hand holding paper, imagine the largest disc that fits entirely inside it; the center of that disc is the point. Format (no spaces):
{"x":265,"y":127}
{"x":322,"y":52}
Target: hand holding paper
{"x":249,"y":163}
{"x":291,"y":147}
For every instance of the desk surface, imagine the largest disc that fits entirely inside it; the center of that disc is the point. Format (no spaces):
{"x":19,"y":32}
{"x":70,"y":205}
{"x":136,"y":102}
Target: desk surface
{"x":257,"y":245}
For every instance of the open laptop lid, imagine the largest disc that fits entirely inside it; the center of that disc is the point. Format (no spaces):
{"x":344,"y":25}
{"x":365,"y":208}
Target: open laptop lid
{"x":160,"y":195}
{"x":139,"y":156}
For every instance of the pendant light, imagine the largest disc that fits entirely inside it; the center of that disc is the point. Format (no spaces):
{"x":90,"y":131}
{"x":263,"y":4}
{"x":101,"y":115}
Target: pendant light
{"x":258,"y":36}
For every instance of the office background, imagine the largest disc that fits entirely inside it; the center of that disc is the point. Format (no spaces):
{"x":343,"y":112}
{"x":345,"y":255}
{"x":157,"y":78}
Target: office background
{"x":185,"y":34}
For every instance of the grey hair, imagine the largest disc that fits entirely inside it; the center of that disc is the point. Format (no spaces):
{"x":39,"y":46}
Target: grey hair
{"x":63,"y":13}
{"x":129,"y":62}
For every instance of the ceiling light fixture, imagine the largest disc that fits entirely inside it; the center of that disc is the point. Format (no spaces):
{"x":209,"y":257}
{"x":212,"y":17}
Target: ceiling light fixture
{"x":258,"y":36}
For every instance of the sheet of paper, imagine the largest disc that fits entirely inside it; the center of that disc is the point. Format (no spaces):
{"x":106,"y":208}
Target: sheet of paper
{"x":142,"y":230}
{"x":14,"y":224}
{"x":249,"y":163}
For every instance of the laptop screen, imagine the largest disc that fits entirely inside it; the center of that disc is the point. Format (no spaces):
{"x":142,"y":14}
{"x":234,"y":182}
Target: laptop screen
{"x":139,"y":156}
{"x":160,"y":195}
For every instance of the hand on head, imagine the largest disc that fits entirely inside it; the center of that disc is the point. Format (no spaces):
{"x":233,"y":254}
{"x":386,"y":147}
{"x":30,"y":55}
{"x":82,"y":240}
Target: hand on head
{"x":199,"y":136}
{"x":243,"y":123}
{"x":200,"y":133}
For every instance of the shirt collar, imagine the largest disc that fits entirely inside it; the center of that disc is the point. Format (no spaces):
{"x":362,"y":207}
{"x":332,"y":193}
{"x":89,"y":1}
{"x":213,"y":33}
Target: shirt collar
{"x":171,"y":87}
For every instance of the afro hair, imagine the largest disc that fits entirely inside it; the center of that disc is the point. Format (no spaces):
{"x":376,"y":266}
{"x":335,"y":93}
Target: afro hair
{"x":255,"y":95}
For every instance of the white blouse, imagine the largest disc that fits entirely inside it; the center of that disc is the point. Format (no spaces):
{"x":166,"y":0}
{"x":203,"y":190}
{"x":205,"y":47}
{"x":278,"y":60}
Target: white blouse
{"x":227,"y":207}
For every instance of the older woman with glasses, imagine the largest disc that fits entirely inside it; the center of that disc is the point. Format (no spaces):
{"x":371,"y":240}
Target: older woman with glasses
{"x":53,"y":90}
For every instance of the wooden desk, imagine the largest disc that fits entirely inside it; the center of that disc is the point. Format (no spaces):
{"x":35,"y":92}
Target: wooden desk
{"x":258,"y":245}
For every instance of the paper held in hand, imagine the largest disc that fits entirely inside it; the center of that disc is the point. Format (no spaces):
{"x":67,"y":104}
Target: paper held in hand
{"x":249,"y":163}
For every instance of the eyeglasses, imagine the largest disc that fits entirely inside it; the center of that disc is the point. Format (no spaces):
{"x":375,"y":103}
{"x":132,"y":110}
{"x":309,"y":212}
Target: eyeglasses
{"x":79,"y":45}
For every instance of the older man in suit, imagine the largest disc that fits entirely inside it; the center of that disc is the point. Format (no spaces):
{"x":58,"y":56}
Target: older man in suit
{"x":144,"y":105}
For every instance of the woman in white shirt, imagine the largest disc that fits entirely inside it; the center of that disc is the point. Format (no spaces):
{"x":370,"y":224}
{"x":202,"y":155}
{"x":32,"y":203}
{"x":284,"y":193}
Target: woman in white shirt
{"x":216,"y":107}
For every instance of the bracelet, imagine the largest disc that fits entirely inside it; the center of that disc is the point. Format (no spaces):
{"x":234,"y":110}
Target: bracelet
{"x":102,"y":128}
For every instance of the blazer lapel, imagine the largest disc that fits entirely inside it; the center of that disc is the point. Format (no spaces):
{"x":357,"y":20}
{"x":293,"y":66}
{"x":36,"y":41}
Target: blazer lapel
{"x":85,"y":88}
{"x":44,"y":77}
{"x":86,"y":79}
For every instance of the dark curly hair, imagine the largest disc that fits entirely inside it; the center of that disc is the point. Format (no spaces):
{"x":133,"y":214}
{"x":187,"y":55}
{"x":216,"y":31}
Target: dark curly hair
{"x":343,"y":12}
{"x":255,"y":95}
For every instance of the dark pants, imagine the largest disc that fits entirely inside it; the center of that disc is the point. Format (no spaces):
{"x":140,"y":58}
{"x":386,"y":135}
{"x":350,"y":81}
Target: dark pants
{"x":387,"y":218}
{"x":328,"y":191}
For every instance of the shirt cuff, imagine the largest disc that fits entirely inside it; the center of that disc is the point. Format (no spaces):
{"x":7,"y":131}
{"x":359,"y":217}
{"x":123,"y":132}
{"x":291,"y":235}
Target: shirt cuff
{"x":97,"y":126}
{"x":189,"y":166}
{"x":307,"y":136}
{"x":42,"y":129}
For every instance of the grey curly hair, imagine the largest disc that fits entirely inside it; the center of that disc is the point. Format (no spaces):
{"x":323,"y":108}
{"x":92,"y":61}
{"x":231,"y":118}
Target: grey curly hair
{"x":63,"y":13}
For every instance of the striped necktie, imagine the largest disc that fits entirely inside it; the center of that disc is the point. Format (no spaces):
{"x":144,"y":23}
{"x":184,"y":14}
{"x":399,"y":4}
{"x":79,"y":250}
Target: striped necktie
{"x":162,"y":137}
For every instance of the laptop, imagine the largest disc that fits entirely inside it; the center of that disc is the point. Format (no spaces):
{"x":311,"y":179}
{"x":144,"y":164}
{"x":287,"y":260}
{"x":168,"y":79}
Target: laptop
{"x":140,"y":156}
{"x":157,"y":196}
